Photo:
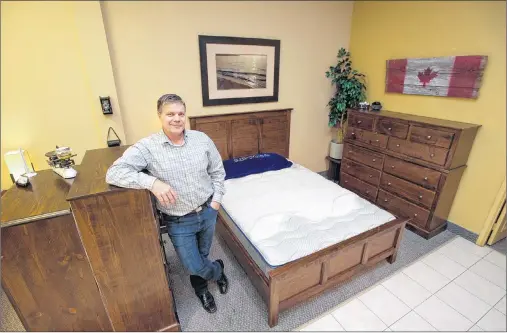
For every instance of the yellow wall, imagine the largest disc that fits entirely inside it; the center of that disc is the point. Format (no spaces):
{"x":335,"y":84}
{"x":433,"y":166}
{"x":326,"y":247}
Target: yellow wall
{"x":54,"y":65}
{"x":154,"y":50}
{"x":389,"y":29}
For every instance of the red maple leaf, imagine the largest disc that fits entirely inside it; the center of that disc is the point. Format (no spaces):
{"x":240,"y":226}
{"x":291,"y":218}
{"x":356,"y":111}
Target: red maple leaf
{"x":426,"y":76}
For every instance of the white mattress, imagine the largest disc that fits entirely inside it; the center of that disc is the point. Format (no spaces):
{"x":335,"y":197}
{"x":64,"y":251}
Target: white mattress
{"x":290,"y":213}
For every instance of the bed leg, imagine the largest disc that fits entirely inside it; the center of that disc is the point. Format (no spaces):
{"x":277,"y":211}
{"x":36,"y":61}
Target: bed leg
{"x":274,"y":303}
{"x":397,"y":240}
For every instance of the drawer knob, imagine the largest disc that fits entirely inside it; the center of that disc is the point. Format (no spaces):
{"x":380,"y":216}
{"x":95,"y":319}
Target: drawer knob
{"x":425,"y":178}
{"x":350,"y":151}
{"x":392,"y":166}
{"x":368,"y":192}
{"x":348,"y":166}
{"x":374,"y":160}
{"x":389,"y":129}
{"x":432,"y":155}
{"x":415,"y":215}
{"x":429,"y":137}
{"x":389,"y":184}
{"x":370,"y":176}
{"x":376,"y":140}
{"x":397,"y":145}
{"x":353,"y":133}
{"x":385,"y":200}
{"x":346,"y":181}
{"x":420,"y":197}
{"x":359,"y":121}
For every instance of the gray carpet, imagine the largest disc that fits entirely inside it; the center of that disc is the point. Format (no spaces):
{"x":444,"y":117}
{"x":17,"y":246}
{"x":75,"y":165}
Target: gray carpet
{"x":242,"y":308}
{"x":501,"y":246}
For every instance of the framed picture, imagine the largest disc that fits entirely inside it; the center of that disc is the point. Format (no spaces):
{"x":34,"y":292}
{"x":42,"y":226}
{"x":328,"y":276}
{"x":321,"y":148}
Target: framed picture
{"x":237,"y":70}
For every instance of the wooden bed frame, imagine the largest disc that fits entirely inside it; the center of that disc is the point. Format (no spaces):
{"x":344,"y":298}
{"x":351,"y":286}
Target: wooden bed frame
{"x":243,"y":134}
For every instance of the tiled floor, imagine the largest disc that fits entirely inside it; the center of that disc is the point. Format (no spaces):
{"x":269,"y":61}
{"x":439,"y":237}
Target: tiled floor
{"x":458,"y":287}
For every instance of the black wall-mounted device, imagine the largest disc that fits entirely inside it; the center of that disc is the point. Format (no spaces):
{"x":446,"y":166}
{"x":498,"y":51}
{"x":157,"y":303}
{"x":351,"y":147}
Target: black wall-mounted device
{"x":105,"y":103}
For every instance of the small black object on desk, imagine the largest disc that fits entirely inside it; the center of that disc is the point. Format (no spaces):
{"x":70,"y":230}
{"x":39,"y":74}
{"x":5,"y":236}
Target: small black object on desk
{"x":376,"y":106}
{"x":333,"y":172}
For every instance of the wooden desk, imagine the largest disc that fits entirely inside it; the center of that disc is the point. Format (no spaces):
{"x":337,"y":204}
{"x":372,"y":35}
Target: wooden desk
{"x":45,"y":271}
{"x":83,"y":255}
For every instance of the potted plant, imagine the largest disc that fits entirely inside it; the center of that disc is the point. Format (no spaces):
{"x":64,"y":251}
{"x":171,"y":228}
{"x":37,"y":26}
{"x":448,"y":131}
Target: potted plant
{"x":350,"y":91}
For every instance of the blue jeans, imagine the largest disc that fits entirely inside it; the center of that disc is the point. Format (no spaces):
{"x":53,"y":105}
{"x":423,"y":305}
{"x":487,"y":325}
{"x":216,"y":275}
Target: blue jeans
{"x":192,"y":236}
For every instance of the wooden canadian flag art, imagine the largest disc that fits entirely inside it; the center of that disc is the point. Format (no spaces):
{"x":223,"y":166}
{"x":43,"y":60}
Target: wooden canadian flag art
{"x":459,"y":76}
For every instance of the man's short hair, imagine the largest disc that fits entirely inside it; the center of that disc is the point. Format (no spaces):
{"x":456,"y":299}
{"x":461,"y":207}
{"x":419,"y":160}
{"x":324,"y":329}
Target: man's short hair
{"x":168,"y":99}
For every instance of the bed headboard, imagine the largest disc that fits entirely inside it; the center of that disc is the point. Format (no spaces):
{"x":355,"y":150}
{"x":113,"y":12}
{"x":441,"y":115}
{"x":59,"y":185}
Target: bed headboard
{"x":247,"y":133}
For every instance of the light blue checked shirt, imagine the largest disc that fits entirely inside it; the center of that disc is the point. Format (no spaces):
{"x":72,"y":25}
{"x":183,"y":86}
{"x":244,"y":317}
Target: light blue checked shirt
{"x":194,"y":169}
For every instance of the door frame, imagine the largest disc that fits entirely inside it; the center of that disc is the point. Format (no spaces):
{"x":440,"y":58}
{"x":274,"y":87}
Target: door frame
{"x":492,"y":216}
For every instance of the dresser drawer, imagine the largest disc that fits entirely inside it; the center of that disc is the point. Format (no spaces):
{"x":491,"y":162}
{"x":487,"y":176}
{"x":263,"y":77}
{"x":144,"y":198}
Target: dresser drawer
{"x":392,"y":128}
{"x":413,"y":172}
{"x":402,"y":208}
{"x":406,"y":189}
{"x":365,"y":156}
{"x":361,"y":171}
{"x":431,"y":136}
{"x":355,"y":185}
{"x":361,"y":121}
{"x":374,"y":139}
{"x":424,"y":152}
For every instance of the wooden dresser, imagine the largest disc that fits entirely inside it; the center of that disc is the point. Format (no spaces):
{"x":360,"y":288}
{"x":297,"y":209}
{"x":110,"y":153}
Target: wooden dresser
{"x":120,"y":230}
{"x":409,"y":165}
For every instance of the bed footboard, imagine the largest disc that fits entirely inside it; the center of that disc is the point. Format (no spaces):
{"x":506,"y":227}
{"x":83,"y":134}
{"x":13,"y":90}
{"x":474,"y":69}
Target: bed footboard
{"x":310,"y":276}
{"x":307,"y":277}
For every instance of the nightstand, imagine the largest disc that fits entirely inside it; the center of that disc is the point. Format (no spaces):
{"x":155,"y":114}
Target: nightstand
{"x":333,"y":171}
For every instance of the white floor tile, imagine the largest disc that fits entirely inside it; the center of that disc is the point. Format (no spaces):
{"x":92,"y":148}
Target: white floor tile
{"x":463,"y":252}
{"x":412,"y":322}
{"x":480,"y":287}
{"x":468,"y":246}
{"x":444,"y":265}
{"x":490,"y":272}
{"x":497,"y":258}
{"x":406,"y":289}
{"x":475,"y":328}
{"x":462,"y":301}
{"x":426,"y":276}
{"x":493,"y":321}
{"x":442,"y":316}
{"x":501,"y":306}
{"x":326,"y":323}
{"x":377,"y":298}
{"x":355,"y":316}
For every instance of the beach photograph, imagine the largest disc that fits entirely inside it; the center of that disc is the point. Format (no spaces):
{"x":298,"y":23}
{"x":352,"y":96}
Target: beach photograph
{"x":241,"y":71}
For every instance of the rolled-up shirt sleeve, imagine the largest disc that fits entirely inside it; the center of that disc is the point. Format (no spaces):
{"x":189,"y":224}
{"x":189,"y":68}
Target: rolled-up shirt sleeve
{"x":217,"y":172}
{"x":126,"y":171}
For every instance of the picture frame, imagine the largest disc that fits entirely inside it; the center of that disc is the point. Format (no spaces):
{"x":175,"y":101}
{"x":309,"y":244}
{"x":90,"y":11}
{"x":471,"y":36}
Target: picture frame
{"x":238,"y":70}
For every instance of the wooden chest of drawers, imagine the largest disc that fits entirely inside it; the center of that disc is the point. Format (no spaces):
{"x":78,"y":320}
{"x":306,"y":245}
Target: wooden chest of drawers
{"x":409,"y":165}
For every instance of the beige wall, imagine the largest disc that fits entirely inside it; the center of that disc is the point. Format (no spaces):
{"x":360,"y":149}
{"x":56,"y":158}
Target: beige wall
{"x":54,"y":65}
{"x":443,"y":28}
{"x":154,"y":50}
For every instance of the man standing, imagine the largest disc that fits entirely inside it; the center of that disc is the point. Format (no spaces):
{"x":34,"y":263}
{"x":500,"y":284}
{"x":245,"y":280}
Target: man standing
{"x":186,"y":175}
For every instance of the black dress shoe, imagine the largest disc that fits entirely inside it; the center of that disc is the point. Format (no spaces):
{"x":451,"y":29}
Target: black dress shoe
{"x":222,"y":282}
{"x":207,"y":301}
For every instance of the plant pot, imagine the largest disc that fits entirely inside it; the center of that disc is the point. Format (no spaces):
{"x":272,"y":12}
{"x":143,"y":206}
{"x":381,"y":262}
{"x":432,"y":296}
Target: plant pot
{"x":335,"y":150}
